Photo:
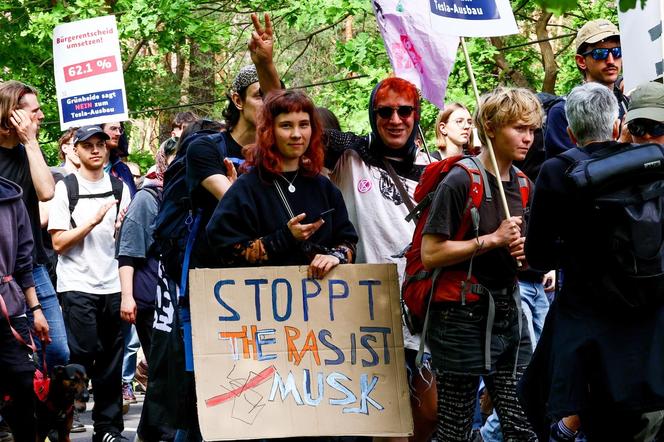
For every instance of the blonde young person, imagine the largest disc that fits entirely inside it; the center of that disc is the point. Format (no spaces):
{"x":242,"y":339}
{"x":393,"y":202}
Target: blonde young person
{"x":485,"y":336}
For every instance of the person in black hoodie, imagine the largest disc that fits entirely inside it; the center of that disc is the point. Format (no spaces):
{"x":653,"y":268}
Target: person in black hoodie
{"x":17,"y":290}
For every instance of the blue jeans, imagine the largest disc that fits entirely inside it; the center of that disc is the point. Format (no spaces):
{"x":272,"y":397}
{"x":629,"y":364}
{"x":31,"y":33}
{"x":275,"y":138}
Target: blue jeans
{"x":131,"y":346}
{"x":535,"y":305}
{"x":57,"y":352}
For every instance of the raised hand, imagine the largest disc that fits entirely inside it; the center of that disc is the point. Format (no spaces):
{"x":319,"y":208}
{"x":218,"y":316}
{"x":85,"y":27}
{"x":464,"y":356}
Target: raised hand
{"x":261,"y":41}
{"x":26,"y":125}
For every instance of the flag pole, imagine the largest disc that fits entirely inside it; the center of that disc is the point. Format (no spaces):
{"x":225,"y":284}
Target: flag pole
{"x":492,"y":156}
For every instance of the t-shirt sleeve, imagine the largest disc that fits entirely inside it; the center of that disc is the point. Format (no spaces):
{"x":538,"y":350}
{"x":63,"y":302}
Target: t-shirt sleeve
{"x":448,"y":204}
{"x":59,"y":217}
{"x":135,"y":236}
{"x":126,"y":198}
{"x":343,"y":228}
{"x":203,"y":161}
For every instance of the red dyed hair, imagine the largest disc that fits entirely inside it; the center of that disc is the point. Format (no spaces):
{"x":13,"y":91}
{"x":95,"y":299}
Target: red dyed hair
{"x":265,"y":153}
{"x":399,"y":86}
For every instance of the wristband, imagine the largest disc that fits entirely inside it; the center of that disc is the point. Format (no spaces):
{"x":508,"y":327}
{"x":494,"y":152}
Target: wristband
{"x":35,"y":308}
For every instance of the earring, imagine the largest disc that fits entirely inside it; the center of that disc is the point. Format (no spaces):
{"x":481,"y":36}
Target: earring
{"x":444,"y":133}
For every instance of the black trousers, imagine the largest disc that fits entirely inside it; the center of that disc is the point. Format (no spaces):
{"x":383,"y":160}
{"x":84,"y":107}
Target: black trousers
{"x":144,"y":320}
{"x":94,"y":335}
{"x":16,"y":373}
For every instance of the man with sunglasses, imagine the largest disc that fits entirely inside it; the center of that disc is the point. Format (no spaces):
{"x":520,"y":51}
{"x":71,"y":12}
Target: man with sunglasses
{"x":599,"y":59}
{"x":377,"y":175}
{"x":645,"y":118}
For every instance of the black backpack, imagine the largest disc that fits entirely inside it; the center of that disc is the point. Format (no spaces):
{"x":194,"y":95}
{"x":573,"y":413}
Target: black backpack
{"x":176,"y":221}
{"x":71,"y":183}
{"x":622,"y":190}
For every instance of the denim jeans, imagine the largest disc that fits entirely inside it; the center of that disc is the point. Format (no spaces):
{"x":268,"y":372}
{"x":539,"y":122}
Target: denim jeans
{"x":131,"y":346}
{"x":57,"y":352}
{"x":535,"y":305}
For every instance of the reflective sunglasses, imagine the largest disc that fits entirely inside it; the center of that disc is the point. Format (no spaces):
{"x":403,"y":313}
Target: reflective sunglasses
{"x":642,"y":126}
{"x":386,"y":112}
{"x":603,"y":53}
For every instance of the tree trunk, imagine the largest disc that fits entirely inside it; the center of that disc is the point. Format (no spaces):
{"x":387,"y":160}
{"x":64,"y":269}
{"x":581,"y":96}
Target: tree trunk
{"x":201,"y":79}
{"x":548,"y":56}
{"x":517,"y":77}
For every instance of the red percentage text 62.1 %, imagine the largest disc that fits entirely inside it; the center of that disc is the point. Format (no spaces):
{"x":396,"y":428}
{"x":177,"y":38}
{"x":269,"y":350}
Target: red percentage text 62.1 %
{"x":90,"y":68}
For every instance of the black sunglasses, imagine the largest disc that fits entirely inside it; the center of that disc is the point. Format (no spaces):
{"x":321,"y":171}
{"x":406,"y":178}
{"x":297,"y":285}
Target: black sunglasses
{"x":386,"y":112}
{"x":603,"y":53}
{"x":642,"y":126}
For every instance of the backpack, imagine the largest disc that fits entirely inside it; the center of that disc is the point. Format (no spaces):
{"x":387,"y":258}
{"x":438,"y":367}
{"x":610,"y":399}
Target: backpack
{"x":177,"y":221}
{"x":622,"y":187}
{"x":445,"y":285}
{"x":71,"y":183}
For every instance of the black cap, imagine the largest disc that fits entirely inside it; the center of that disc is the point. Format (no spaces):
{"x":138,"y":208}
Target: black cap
{"x":86,"y":132}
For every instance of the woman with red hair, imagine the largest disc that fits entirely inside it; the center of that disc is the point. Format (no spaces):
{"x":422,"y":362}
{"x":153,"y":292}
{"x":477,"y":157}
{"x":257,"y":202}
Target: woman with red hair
{"x":283,"y":211}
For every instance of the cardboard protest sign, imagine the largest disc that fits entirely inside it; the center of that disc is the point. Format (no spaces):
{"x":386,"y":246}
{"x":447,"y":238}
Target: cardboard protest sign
{"x":641,"y":42}
{"x":473,"y":18}
{"x":280,"y":355}
{"x":418,"y":52}
{"x":89,"y":81}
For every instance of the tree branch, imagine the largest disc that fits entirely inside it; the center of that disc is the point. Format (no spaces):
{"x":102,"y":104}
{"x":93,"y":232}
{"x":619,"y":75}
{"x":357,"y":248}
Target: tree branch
{"x":318,"y":31}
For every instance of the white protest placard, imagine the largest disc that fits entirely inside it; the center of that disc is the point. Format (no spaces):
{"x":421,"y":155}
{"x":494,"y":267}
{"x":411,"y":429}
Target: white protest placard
{"x":641,"y":41}
{"x":88,"y":72}
{"x":278,"y":355}
{"x":473,"y":18}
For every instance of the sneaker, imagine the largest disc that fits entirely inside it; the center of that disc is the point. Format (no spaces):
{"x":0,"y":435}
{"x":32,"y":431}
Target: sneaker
{"x":128,"y":395}
{"x":77,"y":426}
{"x":108,"y":437}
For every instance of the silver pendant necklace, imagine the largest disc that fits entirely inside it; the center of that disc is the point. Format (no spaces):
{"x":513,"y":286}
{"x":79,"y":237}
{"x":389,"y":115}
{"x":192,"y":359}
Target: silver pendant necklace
{"x":291,"y":186}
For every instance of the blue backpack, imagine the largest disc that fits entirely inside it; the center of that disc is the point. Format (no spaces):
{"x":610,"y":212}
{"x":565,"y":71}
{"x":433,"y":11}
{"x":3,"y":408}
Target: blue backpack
{"x":177,"y":222}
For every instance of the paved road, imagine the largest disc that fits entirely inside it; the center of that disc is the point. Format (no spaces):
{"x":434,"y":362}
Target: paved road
{"x":130,"y":421}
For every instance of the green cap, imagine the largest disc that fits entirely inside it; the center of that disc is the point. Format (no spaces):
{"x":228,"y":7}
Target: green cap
{"x":647,"y":101}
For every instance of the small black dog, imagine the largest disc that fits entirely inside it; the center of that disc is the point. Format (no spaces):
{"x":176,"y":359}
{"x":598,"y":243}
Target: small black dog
{"x":56,"y":415}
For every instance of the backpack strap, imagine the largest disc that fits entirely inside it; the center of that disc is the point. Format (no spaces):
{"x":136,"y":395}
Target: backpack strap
{"x":524,"y":186}
{"x":476,"y":192}
{"x":71,"y":183}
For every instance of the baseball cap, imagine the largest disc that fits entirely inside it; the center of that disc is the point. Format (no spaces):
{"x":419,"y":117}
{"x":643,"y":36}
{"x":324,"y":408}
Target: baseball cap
{"x":86,"y":132}
{"x":595,"y":31}
{"x":244,"y":78}
{"x":647,"y":101}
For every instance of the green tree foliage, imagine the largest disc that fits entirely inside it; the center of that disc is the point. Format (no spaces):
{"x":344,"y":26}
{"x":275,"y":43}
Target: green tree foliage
{"x":184,"y":52}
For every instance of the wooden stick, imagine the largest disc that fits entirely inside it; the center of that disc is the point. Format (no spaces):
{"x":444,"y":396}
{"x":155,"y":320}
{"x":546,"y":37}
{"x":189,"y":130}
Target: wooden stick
{"x":489,"y":146}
